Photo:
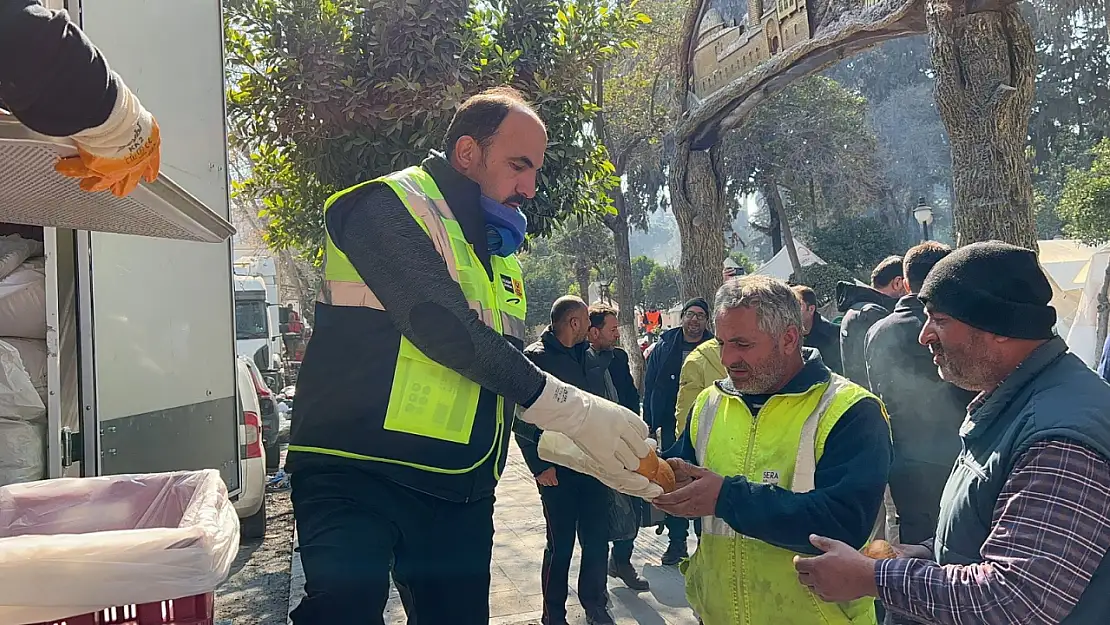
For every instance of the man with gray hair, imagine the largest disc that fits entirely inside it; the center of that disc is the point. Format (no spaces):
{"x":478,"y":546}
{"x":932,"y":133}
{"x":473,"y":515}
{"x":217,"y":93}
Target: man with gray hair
{"x":779,"y":450}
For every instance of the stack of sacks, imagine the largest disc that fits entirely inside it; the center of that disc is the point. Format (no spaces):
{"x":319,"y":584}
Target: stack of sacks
{"x":23,"y":386}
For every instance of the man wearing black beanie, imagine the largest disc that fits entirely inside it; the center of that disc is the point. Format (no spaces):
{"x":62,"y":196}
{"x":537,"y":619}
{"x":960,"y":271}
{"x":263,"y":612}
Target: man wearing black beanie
{"x":1023,"y":530}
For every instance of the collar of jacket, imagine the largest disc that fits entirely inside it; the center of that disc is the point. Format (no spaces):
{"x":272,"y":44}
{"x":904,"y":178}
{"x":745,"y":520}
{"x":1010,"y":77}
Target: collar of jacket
{"x":551,"y":343}
{"x":463,"y":195}
{"x":909,"y":303}
{"x":849,"y":294}
{"x":813,"y":372}
{"x":998,"y":400}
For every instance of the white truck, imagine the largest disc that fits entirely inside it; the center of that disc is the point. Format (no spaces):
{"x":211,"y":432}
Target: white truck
{"x":257,"y":321}
{"x":140,"y":368}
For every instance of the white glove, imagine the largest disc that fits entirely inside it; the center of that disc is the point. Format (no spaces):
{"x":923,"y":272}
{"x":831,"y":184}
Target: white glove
{"x":558,"y":448}
{"x":610,"y":434}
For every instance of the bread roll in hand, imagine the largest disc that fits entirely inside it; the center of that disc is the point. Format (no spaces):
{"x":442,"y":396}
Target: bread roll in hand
{"x":657,"y":471}
{"x":880,"y":550}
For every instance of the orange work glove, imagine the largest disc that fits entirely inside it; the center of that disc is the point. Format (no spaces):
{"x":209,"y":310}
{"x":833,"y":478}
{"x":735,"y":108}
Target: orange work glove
{"x":119,"y":153}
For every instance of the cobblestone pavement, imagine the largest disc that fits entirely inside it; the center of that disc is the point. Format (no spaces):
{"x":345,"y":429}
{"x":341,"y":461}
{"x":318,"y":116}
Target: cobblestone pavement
{"x":515,"y":597}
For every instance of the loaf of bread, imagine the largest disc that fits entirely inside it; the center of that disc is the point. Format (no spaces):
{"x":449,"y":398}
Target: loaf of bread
{"x":657,"y":471}
{"x":880,"y":550}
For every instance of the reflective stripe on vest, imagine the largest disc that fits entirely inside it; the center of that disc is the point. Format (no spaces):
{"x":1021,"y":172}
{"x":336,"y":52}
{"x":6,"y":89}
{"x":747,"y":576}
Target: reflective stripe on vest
{"x":735,"y":580}
{"x":426,"y":398}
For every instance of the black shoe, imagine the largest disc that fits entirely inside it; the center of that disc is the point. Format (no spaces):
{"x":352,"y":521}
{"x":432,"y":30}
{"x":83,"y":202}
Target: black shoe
{"x":675,"y":553}
{"x":599,"y":616}
{"x":628,"y":575}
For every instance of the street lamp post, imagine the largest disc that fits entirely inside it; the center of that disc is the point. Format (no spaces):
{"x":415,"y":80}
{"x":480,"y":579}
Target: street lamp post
{"x":923,"y":213}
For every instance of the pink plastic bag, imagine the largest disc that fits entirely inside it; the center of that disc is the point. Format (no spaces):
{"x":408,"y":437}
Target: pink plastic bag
{"x":74,"y":546}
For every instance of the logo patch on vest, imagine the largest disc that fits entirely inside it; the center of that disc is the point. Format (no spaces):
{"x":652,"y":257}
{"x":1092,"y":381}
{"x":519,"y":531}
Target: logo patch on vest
{"x":771,"y":477}
{"x":507,"y":282}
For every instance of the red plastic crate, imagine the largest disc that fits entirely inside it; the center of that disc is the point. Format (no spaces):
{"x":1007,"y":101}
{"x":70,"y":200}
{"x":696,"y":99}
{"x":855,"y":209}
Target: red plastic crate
{"x":195,"y":610}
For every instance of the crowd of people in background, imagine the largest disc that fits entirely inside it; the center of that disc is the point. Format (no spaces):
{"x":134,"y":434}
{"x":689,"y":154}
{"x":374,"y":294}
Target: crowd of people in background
{"x":941,"y":413}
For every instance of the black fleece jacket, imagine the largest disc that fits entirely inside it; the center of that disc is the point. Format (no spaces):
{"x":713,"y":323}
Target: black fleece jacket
{"x":52,"y":78}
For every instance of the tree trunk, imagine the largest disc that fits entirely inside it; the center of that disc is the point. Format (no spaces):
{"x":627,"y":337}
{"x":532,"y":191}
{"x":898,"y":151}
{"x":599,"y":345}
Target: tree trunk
{"x":582,"y":277}
{"x":985,"y":65}
{"x":626,"y":315}
{"x":1103,"y":316}
{"x":774,"y":201}
{"x":696,"y":199}
{"x":775,"y":231}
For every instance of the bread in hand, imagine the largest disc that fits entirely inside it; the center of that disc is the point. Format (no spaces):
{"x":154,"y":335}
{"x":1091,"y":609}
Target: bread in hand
{"x":657,"y":471}
{"x":880,"y":550}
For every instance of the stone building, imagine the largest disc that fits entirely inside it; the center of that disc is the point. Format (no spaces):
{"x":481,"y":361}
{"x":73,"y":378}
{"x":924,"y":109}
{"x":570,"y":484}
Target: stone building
{"x":736,"y":36}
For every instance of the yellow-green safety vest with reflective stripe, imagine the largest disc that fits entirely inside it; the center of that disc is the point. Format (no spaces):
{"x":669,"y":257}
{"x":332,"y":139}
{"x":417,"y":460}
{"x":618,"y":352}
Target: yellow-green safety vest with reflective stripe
{"x":735,"y":580}
{"x":427,"y":399}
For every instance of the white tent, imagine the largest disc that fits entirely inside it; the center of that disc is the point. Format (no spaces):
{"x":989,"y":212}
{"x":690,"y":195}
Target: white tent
{"x":1081,"y":337}
{"x":1065,"y":261}
{"x":780,"y":267}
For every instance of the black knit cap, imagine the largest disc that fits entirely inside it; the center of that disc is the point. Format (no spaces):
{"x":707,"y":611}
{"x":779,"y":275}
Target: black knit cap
{"x":697,"y":301}
{"x":995,"y":287}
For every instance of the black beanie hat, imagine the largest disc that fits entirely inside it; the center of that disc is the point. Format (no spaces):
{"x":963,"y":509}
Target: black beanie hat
{"x":697,"y":301}
{"x":995,"y":287}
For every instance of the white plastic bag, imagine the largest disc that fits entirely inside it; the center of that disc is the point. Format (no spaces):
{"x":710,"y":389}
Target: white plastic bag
{"x":33,"y":354}
{"x":22,"y":451}
{"x":18,"y":397}
{"x":14,"y":249}
{"x":23,"y":301}
{"x":75,"y":546}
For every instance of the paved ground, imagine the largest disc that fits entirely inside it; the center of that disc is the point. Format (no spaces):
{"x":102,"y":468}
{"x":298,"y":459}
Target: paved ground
{"x":515,"y":597}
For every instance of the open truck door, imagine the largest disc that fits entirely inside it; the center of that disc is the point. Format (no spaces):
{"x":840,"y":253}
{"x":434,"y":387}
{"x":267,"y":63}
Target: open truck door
{"x":141,"y":367}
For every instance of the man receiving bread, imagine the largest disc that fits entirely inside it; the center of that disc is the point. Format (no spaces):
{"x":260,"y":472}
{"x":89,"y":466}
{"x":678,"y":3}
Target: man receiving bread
{"x":780,"y":449}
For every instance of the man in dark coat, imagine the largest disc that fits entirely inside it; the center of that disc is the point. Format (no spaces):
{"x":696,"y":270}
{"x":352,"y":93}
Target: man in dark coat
{"x":573,"y":503}
{"x":862,"y":308}
{"x":607,"y":367}
{"x":925,"y":411}
{"x":820,"y":333}
{"x":661,"y":394}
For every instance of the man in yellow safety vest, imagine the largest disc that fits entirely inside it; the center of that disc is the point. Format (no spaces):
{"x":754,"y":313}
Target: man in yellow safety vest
{"x":779,"y":450}
{"x":406,"y":395}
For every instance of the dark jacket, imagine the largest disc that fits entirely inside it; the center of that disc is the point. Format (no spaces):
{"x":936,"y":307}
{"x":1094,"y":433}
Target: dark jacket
{"x":1051,"y":395}
{"x":862,"y":307}
{"x":621,"y":375}
{"x":345,"y":382}
{"x":661,"y":379}
{"x":824,"y":336}
{"x":925,"y":416}
{"x":850,"y":478}
{"x":52,"y":78}
{"x":570,"y":365}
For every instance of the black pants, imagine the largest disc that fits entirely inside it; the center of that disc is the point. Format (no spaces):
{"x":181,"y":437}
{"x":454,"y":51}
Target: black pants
{"x":355,"y":527}
{"x":578,"y":505}
{"x":622,"y":551}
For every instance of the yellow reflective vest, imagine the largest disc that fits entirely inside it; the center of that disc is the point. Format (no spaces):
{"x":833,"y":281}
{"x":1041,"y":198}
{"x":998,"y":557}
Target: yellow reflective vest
{"x":735,"y":580}
{"x":429,"y":423}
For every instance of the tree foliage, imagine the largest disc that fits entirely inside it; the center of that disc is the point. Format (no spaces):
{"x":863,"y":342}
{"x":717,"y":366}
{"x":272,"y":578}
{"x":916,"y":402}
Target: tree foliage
{"x":661,"y":287}
{"x":328,"y":93}
{"x":1085,"y":202}
{"x":822,"y":279}
{"x":856,"y":244}
{"x":812,"y":140}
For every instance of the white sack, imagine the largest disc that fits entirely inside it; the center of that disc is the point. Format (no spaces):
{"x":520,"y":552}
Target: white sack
{"x":23,"y":301}
{"x":22,"y":451}
{"x":79,"y":545}
{"x":14,"y":249}
{"x":33,"y":354}
{"x":18,"y":397}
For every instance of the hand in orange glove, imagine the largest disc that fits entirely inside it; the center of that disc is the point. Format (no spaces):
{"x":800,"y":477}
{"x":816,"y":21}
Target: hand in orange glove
{"x":119,"y":153}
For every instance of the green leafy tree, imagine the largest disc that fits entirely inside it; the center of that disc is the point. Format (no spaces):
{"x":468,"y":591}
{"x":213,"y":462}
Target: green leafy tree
{"x":856,"y":244}
{"x":822,"y":279}
{"x":328,"y":93}
{"x":1085,"y":202}
{"x":546,"y":280}
{"x":661,"y":287}
{"x":810,"y":153}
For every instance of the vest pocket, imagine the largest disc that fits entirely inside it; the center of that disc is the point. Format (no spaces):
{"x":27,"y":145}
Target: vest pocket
{"x":428,"y":399}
